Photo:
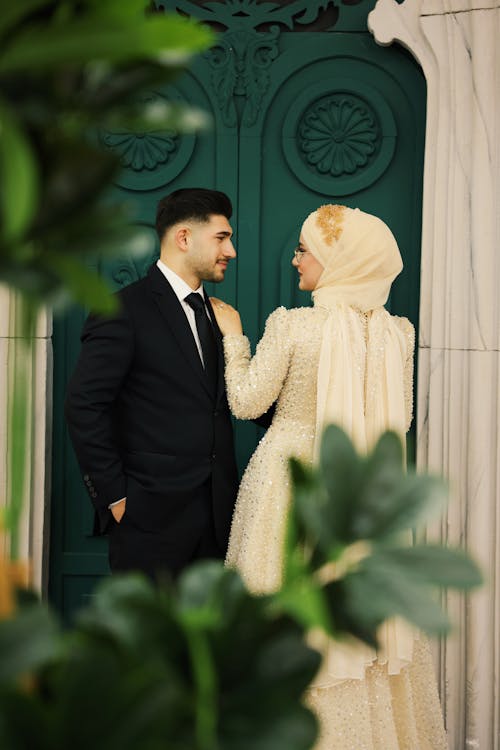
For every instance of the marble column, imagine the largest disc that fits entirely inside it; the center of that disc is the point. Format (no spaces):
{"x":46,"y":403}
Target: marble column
{"x":35,"y":355}
{"x":457,"y":43}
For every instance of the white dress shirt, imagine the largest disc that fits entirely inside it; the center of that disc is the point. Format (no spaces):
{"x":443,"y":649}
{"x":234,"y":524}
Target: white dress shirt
{"x":182,"y":290}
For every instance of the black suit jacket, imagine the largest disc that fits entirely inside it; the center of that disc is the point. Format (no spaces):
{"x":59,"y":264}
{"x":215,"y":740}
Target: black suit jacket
{"x":142,"y":419}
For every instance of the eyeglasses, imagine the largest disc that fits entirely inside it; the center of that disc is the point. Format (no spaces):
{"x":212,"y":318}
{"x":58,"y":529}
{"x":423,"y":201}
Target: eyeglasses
{"x":299,"y":253}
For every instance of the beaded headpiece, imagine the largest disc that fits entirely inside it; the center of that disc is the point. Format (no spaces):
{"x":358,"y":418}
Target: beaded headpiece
{"x":330,"y":219}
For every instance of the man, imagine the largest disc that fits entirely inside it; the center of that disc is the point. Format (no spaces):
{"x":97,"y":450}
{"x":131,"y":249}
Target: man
{"x":146,"y":406}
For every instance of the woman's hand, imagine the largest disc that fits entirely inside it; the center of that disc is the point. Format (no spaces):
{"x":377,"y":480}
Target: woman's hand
{"x":228,"y":319}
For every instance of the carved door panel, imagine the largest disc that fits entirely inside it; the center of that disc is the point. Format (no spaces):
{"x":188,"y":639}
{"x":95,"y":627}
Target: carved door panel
{"x":306,"y":110}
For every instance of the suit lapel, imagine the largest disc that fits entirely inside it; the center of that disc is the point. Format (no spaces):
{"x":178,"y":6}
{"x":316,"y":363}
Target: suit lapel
{"x":176,"y":320}
{"x":220,"y":350}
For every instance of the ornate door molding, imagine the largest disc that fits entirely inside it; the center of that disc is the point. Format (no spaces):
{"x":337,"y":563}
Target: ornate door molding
{"x":241,"y":60}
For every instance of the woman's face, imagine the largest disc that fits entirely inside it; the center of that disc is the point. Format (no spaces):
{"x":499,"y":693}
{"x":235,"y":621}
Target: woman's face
{"x":308,"y":267}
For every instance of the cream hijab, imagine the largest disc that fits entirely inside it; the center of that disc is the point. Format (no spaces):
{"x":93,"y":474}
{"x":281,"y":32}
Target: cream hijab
{"x":360,"y":376}
{"x":360,"y":380}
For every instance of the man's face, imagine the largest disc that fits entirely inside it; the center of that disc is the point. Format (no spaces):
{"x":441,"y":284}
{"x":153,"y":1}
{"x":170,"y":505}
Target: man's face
{"x":210,"y":248}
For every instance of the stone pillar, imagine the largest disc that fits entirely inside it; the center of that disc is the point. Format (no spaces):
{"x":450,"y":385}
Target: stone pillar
{"x":457,"y":43}
{"x":36,"y":356}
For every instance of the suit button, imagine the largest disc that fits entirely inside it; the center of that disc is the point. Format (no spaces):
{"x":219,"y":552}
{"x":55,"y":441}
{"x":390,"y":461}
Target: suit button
{"x":213,"y":455}
{"x":216,"y":413}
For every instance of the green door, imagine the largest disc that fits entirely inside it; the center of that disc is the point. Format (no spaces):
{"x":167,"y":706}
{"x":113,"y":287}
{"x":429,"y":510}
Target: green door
{"x":306,"y":110}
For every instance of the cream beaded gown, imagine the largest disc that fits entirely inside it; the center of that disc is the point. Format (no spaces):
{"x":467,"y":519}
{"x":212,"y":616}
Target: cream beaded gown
{"x":381,"y":711}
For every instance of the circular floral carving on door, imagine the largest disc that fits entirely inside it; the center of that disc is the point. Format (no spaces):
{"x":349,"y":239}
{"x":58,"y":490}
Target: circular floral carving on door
{"x":150,"y":158}
{"x":140,"y":151}
{"x":338,"y":134}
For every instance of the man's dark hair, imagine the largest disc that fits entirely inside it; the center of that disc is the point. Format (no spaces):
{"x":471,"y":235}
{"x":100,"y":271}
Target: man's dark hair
{"x":196,"y":204}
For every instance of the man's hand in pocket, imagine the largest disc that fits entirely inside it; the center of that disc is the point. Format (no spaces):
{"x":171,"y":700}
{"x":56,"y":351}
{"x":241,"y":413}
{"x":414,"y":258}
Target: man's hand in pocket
{"x":118,"y":509}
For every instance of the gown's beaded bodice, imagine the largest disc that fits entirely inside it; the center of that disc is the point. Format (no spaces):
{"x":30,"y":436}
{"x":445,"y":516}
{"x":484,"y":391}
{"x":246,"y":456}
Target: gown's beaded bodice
{"x":285,"y":367}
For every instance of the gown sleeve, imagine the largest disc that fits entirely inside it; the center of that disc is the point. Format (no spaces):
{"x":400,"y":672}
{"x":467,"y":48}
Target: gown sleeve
{"x":254,"y":383}
{"x":409,"y":332}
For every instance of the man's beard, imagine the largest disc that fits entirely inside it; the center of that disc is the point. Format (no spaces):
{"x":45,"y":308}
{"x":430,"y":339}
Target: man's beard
{"x":216,"y":275}
{"x":211,"y":273}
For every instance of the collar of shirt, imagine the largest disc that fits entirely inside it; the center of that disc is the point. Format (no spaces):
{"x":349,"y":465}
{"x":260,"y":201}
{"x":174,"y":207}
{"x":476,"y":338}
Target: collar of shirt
{"x":179,"y":286}
{"x":182,"y":290}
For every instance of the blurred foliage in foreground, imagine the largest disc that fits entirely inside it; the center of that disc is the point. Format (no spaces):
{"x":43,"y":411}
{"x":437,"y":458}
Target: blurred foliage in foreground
{"x":204,"y":665}
{"x":68,"y":69}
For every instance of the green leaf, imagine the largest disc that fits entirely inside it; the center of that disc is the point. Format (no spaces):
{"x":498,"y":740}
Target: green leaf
{"x":104,"y":87}
{"x":169,"y":40}
{"x":387,"y":500}
{"x":386,"y":508}
{"x":379,"y":591}
{"x":28,"y":641}
{"x":203,"y":669}
{"x":345,"y":617}
{"x":117,"y":9}
{"x":13,"y":13}
{"x":24,"y":723}
{"x":122,"y":607}
{"x":114,"y":238}
{"x":263,"y":709}
{"x":143,"y":701}
{"x":208,"y":594}
{"x":312,"y":513}
{"x":85,"y":287}
{"x":102,"y":232}
{"x":19,"y":176}
{"x":293,"y":728}
{"x":157,"y":116}
{"x":303,"y":600}
{"x":388,"y":452}
{"x":432,"y":564}
{"x":66,"y":198}
{"x":341,"y":471}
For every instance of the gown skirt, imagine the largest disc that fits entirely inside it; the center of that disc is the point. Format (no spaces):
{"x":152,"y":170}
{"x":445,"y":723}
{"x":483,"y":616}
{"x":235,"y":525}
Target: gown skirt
{"x":379,"y":710}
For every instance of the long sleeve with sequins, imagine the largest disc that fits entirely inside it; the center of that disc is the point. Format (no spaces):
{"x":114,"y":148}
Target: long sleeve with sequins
{"x":254,"y":383}
{"x":409,"y":332}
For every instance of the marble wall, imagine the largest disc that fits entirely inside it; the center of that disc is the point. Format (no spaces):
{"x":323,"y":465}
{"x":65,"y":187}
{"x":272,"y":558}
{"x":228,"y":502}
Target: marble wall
{"x":457,"y":43}
{"x":35,"y":356}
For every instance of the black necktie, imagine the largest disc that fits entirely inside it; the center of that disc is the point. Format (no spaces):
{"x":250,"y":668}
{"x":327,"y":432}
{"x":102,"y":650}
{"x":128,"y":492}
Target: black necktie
{"x":206,"y":336}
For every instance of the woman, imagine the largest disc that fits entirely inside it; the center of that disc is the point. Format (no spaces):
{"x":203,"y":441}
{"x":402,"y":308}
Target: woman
{"x":345,"y":360}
